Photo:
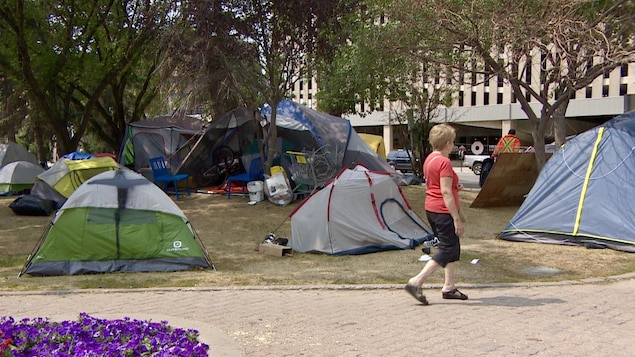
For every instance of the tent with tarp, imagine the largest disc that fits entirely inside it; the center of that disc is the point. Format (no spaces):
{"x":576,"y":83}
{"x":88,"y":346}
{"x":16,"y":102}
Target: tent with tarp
{"x":308,"y":129}
{"x":18,"y":176}
{"x":226,"y":139}
{"x":583,"y":194}
{"x":118,"y":221}
{"x":358,"y":212}
{"x":300,"y":129}
{"x":166,"y":136}
{"x":66,"y":175}
{"x":10,"y":152}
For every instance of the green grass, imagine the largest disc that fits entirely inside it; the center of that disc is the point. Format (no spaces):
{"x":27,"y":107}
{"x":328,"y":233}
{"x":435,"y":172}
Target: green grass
{"x":231,"y":230}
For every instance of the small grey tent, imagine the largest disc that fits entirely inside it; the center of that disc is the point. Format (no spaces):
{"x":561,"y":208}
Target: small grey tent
{"x":11,"y":152}
{"x":584,"y":193}
{"x":358,"y":212}
{"x":18,"y":176}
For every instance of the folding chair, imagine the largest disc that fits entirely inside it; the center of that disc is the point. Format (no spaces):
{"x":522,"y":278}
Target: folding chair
{"x":255,"y":172}
{"x":161,"y":175}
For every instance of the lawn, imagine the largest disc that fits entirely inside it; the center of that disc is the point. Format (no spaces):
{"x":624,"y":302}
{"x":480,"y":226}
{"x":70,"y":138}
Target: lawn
{"x":231,"y":230}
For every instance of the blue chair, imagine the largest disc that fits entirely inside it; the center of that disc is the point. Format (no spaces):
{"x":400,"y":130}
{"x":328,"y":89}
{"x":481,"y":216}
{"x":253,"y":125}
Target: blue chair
{"x":162,"y":176}
{"x":255,"y":172}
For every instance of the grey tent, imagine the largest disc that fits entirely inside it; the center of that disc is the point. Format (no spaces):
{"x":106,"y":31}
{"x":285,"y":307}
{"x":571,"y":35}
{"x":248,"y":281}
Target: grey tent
{"x":358,"y":212}
{"x":11,"y":152}
{"x":165,"y":136}
{"x":584,"y":193}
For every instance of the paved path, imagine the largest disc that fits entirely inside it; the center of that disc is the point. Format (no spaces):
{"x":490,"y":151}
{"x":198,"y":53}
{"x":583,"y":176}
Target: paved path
{"x":570,"y":319}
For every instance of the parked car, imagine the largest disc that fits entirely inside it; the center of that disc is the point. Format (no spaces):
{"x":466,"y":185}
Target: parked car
{"x":474,"y":162}
{"x":401,"y":160}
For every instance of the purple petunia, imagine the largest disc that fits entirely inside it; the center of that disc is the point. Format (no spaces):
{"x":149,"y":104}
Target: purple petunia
{"x":89,"y":336}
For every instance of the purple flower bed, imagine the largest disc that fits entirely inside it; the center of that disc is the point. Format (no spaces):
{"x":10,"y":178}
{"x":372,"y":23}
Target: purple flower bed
{"x":89,"y":336}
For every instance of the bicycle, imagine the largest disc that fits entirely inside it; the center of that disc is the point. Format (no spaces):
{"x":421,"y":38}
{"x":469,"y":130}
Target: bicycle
{"x":224,"y":164}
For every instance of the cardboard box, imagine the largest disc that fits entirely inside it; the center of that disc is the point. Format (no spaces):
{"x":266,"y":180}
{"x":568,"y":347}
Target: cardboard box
{"x":275,"y":249}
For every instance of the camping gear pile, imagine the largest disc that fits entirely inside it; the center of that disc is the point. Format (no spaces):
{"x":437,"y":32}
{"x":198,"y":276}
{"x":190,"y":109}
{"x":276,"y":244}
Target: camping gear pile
{"x":228,"y":144}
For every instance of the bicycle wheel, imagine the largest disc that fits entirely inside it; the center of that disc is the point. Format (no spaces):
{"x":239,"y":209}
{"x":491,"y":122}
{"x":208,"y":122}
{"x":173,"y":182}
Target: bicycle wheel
{"x":223,"y":156}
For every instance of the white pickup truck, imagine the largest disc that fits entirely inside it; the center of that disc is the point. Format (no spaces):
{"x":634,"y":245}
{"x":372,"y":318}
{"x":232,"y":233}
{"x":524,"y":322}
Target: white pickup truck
{"x":474,"y":162}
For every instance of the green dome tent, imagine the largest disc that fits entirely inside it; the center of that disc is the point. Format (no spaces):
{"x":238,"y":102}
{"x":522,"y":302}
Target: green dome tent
{"x":117,"y":221}
{"x":584,"y":193}
{"x":18,"y":176}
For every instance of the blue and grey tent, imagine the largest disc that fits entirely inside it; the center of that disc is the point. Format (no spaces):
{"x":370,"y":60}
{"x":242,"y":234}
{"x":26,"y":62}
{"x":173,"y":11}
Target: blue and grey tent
{"x":584,"y":193}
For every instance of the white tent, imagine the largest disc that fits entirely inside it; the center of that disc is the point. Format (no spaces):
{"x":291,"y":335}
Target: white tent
{"x":18,"y":176}
{"x":358,"y":212}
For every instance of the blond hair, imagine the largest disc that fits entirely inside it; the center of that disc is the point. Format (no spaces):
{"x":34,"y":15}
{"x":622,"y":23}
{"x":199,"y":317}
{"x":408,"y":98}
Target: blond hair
{"x":440,"y":134}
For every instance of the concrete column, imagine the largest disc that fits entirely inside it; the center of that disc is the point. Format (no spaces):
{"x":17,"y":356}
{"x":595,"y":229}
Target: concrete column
{"x":388,"y":138}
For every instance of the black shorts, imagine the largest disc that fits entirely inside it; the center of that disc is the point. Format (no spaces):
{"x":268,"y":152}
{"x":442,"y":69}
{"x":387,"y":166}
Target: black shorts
{"x":449,"y":246}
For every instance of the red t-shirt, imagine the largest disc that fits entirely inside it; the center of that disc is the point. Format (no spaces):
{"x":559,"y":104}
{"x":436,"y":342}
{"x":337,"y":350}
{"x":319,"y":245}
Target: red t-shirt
{"x":435,"y":167}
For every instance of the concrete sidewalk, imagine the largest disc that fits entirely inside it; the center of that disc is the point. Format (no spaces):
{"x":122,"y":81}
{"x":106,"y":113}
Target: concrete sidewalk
{"x":574,"y":318}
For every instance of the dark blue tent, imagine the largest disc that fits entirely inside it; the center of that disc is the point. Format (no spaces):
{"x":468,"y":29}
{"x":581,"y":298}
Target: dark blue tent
{"x":585,"y":193}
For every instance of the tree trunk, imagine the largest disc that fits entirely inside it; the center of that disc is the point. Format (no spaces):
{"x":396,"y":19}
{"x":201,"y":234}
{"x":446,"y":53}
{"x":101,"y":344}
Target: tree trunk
{"x":559,"y":123}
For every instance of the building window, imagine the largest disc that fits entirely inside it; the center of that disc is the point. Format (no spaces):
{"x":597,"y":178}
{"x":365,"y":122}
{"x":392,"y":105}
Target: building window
{"x":473,"y":98}
{"x":623,"y":89}
{"x":624,"y":70}
{"x":310,"y":84}
{"x":499,"y":98}
{"x":461,"y":77}
{"x":499,"y":81}
{"x":486,"y":98}
{"x":301,"y":84}
{"x":605,"y":90}
{"x":543,"y":67}
{"x":607,"y":73}
{"x":514,"y":98}
{"x":589,"y":92}
{"x":527,"y":96}
{"x":461,"y":102}
{"x":528,"y":74}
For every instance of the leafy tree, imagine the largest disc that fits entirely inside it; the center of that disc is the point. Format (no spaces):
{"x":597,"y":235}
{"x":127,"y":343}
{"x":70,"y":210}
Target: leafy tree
{"x":283,"y":35}
{"x":65,"y":55}
{"x":578,"y":40}
{"x":367,"y":70}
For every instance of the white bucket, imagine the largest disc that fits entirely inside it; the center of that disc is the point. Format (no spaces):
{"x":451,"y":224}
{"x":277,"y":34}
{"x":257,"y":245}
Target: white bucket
{"x":255,"y":191}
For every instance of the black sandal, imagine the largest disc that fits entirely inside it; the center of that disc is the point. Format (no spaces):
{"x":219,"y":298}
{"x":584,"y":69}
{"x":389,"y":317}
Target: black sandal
{"x":454,"y":294}
{"x":416,"y":293}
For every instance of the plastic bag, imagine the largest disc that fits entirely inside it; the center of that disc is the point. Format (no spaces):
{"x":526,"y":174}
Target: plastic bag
{"x":277,"y":188}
